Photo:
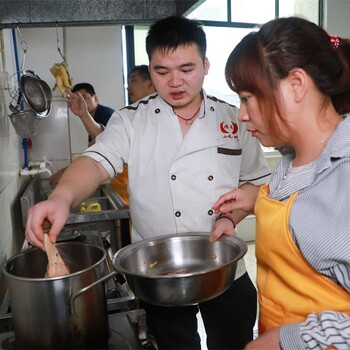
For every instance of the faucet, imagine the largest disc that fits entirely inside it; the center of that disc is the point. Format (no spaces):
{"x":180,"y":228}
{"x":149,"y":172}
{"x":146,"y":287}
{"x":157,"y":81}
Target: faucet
{"x":41,"y":164}
{"x":40,"y":167}
{"x":41,"y":170}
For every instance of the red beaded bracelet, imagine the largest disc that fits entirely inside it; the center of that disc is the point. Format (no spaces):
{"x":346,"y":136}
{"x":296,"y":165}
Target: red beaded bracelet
{"x":227,"y":216}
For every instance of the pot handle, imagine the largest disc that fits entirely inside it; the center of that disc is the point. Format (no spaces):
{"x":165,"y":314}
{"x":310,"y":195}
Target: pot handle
{"x":83,"y":290}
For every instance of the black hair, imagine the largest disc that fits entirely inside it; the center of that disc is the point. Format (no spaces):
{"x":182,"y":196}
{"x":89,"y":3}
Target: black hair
{"x":86,"y":86}
{"x":172,"y":32}
{"x":142,"y":69}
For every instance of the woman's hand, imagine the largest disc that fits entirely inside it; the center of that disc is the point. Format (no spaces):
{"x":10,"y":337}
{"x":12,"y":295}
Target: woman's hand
{"x":242,"y":198}
{"x":268,"y":340}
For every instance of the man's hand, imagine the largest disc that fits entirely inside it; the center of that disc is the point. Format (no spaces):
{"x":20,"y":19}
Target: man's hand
{"x":221,"y":227}
{"x":77,"y":104}
{"x":51,"y":213}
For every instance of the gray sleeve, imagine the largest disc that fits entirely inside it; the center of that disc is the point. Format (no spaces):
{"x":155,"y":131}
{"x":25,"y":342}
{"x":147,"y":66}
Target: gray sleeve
{"x":318,"y":331}
{"x":290,"y":337}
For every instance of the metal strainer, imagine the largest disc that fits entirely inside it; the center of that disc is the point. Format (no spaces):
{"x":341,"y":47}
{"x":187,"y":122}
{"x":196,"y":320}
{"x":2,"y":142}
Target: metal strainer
{"x":36,"y":93}
{"x":25,"y":123}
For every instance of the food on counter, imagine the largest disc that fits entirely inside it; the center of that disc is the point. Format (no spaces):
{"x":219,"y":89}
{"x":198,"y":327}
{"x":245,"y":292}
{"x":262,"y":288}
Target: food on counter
{"x":90,"y":208}
{"x":56,"y":266}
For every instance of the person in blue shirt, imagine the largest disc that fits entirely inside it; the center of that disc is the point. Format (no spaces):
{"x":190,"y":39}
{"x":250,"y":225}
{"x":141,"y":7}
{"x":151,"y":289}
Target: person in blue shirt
{"x":93,"y":115}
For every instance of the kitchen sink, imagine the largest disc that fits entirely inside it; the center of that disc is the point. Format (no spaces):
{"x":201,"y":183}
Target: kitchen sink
{"x":112,"y":205}
{"x":104,"y":208}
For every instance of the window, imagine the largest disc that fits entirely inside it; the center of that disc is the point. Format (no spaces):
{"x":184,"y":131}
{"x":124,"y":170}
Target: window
{"x":241,"y":11}
{"x":211,"y":10}
{"x":140,"y":33}
{"x":218,"y":51}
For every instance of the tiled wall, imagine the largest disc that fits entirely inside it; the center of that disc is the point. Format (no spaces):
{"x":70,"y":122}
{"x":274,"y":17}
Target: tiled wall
{"x":11,"y":185}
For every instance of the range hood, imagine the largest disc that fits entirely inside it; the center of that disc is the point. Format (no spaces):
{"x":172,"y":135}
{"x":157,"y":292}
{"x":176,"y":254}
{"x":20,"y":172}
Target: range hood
{"x":41,"y":13}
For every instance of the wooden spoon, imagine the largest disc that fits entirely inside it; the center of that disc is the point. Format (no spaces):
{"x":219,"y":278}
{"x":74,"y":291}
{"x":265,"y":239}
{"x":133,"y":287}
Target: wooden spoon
{"x":56,"y":266}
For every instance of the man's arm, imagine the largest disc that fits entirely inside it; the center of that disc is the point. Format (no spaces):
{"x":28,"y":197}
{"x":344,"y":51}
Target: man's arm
{"x":90,"y":125}
{"x":78,"y":106}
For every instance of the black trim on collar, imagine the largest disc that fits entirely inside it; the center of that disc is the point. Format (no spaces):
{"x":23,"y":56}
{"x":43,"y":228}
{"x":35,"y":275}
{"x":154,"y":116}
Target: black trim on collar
{"x":134,"y":107}
{"x":257,"y":178}
{"x":215,"y":99}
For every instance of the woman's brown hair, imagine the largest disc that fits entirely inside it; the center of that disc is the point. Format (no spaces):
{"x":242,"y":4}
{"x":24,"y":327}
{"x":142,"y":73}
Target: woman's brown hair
{"x":265,"y":57}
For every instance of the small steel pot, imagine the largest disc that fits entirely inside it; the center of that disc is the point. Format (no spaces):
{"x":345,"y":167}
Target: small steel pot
{"x":67,"y":312}
{"x":180,"y":269}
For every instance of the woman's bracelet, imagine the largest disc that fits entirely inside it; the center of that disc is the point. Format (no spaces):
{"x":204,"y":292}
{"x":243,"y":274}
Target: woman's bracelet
{"x":227,"y":216}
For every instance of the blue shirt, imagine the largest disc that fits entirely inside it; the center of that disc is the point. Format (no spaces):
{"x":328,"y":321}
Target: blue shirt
{"x":102,"y":115}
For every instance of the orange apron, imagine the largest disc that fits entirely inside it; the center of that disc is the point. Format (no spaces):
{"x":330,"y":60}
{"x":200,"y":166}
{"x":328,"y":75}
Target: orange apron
{"x":289,"y":288}
{"x":120,"y":184}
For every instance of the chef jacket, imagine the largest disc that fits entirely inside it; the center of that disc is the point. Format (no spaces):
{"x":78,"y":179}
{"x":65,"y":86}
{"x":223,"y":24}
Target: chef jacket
{"x":173,"y":179}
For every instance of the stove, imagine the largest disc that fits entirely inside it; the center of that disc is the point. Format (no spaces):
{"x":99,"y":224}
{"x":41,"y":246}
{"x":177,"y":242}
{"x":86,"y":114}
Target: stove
{"x":127,"y":322}
{"x":127,"y":330}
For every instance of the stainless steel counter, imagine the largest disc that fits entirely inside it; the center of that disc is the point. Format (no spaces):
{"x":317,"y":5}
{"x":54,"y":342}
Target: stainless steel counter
{"x":107,"y":219}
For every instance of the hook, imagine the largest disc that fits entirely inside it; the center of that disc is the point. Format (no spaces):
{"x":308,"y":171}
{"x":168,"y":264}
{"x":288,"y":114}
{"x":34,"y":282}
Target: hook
{"x":24,"y":47}
{"x":58,"y":46}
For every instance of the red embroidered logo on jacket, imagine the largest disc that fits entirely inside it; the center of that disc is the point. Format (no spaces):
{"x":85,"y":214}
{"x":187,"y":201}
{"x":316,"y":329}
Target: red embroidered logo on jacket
{"x":229,"y":130}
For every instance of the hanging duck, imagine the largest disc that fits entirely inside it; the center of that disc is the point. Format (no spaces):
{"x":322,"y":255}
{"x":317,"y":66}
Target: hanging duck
{"x":61,"y":74}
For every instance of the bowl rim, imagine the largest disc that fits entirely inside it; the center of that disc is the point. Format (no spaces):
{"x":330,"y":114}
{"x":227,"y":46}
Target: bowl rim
{"x":125,"y":251}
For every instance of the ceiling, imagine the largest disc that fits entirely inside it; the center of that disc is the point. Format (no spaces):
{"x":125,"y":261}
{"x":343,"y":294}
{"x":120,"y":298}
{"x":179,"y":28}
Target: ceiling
{"x":39,"y":13}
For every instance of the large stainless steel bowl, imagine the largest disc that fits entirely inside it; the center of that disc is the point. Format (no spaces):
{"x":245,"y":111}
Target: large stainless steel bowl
{"x":180,"y":269}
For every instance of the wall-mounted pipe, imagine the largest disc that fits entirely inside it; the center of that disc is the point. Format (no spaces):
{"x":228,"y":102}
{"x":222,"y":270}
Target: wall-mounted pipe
{"x":25,"y":145}
{"x":2,"y":49}
{"x":15,"y":50}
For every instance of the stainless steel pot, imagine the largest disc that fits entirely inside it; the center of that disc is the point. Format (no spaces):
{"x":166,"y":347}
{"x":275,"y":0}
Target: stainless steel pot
{"x":60,"y":312}
{"x":180,"y":269}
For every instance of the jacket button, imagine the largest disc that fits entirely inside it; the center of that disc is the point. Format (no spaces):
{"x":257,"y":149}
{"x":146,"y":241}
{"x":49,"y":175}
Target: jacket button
{"x":210,"y":212}
{"x":157,"y":110}
{"x":212,"y":108}
{"x":210,"y":177}
{"x":173,"y":177}
{"x":178,"y":214}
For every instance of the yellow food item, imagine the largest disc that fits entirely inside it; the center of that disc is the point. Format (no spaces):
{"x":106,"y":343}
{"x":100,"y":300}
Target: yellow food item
{"x":151,"y":266}
{"x":63,"y":81}
{"x":93,"y":207}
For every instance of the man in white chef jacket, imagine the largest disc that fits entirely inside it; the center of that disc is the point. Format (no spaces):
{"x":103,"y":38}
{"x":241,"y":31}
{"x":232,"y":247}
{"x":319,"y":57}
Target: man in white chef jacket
{"x":184,"y":149}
